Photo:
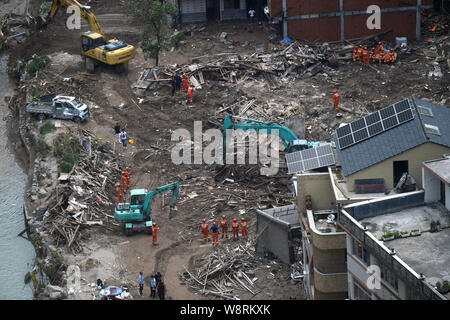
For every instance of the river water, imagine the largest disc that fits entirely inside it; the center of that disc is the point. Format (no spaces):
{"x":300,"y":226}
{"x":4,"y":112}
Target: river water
{"x":16,"y":253}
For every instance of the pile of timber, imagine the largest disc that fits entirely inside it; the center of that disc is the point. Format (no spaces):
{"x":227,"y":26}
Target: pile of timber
{"x":225,"y":272}
{"x":84,"y":197}
{"x":16,"y":28}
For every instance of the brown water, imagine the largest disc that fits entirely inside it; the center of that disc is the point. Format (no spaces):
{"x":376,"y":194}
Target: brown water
{"x":16,"y":253}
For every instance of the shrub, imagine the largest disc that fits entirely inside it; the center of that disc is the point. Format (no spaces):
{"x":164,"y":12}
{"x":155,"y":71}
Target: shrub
{"x":37,"y":64}
{"x":43,"y":147}
{"x":176,"y":38}
{"x":47,"y":128}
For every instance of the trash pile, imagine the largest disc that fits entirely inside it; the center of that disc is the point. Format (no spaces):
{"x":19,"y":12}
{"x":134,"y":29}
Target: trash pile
{"x":14,"y":29}
{"x":85,"y":196}
{"x":224,"y":272}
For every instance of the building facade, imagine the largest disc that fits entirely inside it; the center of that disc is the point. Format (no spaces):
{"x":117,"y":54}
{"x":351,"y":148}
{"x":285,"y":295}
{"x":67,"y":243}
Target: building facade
{"x":339,"y":20}
{"x":206,"y":10}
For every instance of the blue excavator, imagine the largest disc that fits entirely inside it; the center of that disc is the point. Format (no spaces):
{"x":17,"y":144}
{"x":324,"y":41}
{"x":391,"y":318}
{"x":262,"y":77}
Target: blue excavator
{"x":136,"y":215}
{"x":290,"y":140}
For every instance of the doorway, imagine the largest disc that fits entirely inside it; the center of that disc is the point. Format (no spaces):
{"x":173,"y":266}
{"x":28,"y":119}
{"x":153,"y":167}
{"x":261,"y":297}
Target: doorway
{"x":400,"y":167}
{"x":442,"y":199}
{"x":213,"y":10}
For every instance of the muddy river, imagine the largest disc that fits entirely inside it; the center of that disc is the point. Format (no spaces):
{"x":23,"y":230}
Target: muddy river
{"x":16,"y":253}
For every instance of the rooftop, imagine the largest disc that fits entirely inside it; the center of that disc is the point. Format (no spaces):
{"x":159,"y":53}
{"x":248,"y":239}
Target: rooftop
{"x":440,"y":167}
{"x":428,"y":253}
{"x":387,"y":143}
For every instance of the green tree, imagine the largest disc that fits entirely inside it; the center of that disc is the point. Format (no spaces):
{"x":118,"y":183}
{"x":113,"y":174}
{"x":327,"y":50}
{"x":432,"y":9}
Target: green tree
{"x":157,"y":33}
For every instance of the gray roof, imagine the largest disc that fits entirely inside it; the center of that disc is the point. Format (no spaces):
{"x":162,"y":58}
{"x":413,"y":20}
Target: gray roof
{"x":440,"y":167}
{"x":396,"y":140}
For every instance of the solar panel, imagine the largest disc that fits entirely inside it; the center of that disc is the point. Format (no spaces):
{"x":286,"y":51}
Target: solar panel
{"x":374,"y":123}
{"x":387,"y":112}
{"x":375,"y":129}
{"x":346,"y":141}
{"x":390,"y":122}
{"x":309,"y":159}
{"x":405,"y":116}
{"x":343,"y":131}
{"x":373,"y":118}
{"x":402,"y":106}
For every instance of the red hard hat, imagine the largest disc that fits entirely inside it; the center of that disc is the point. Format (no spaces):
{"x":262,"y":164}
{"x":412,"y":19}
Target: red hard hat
{"x":334,"y":90}
{"x":242,"y":218}
{"x":154,"y":224}
{"x":203,"y":220}
{"x":214,"y":223}
{"x":234,"y":219}
{"x":223,"y":216}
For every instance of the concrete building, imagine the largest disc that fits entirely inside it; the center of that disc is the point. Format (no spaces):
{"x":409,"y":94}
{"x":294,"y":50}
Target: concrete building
{"x":436,"y":180}
{"x":378,"y":159}
{"x":211,"y":10}
{"x":334,"y":20}
{"x":382,"y":266}
{"x":278,"y":232}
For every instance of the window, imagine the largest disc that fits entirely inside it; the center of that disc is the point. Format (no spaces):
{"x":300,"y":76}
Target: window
{"x":360,"y":293}
{"x":359,"y":251}
{"x":432,"y":129}
{"x":389,"y":277}
{"x":425,"y":111}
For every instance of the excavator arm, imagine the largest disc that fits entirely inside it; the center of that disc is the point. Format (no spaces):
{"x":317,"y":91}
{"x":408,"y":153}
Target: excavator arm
{"x":85,"y":12}
{"x":284,"y":133}
{"x":174,"y":187}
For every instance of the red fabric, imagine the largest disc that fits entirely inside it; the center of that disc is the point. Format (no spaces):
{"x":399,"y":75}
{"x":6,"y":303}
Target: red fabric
{"x":119,"y":195}
{"x":215,"y":238}
{"x":155,"y":234}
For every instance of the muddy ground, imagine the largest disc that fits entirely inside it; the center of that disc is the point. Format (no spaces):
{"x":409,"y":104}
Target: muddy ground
{"x":118,"y":259}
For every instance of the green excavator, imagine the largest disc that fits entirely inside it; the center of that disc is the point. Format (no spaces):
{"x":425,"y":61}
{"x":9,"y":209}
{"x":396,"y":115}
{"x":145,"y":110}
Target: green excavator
{"x":136,"y":215}
{"x":290,"y":140}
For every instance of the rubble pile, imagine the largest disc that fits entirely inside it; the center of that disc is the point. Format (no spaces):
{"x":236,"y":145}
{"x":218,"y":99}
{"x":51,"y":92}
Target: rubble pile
{"x":85,"y":196}
{"x":224,"y":272}
{"x":14,"y":29}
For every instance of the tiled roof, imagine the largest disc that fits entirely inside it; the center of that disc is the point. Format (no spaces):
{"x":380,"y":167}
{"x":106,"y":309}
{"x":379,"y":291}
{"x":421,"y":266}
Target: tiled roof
{"x":396,"y":140}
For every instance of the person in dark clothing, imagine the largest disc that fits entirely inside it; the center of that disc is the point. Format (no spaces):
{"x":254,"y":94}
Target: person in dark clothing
{"x":178,"y":81}
{"x":153,"y":284}
{"x":117,"y":131}
{"x":161,"y":290}
{"x":141,"y":283}
{"x":173,"y":83}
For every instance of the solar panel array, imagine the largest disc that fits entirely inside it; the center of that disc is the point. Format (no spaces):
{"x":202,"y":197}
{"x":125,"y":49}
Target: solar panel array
{"x":309,"y":159}
{"x":375,"y":123}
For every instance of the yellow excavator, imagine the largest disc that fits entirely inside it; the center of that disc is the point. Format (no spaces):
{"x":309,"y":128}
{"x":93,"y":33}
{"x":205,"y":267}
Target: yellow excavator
{"x":95,"y":47}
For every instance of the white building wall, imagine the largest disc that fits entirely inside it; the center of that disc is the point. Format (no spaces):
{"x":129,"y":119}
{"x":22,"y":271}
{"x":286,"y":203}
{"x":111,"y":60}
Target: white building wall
{"x":431,"y":185}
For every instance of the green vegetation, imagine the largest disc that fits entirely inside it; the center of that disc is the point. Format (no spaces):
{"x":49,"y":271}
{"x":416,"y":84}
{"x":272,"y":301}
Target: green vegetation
{"x":444,"y":287}
{"x":43,"y":147}
{"x":37,"y":64}
{"x":67,"y":151}
{"x":177,"y":38}
{"x":157,"y":34}
{"x":47,"y":128}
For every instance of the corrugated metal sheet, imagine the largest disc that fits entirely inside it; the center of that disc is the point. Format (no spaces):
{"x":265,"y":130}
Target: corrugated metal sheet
{"x":192,"y":6}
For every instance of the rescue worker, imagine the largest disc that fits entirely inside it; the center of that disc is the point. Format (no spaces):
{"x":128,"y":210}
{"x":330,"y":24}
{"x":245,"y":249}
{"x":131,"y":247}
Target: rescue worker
{"x":235,"y":227}
{"x":372,"y":54}
{"x":124,"y":182}
{"x":336,"y":98}
{"x":366,"y":56}
{"x":224,"y":224}
{"x":391,"y":56}
{"x":205,"y":229}
{"x":189,"y":92}
{"x":360,"y":53}
{"x":215,"y":234}
{"x":177,"y":81}
{"x":244,"y":231}
{"x":380,"y":47}
{"x":382,"y":57}
{"x":355,"y":53}
{"x":119,"y":193}
{"x":155,"y":229}
{"x":185,"y":79}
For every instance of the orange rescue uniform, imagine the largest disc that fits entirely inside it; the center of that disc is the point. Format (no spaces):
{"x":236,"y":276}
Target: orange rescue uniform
{"x":189,"y":92}
{"x":185,"y":82}
{"x":336,"y":99}
{"x":235,"y":227}
{"x":366,"y":56}
{"x":155,"y":234}
{"x":124,"y":182}
{"x":355,"y":54}
{"x":205,"y":230}
{"x":391,"y":56}
{"x":119,"y":194}
{"x":224,"y":224}
{"x":244,"y":230}
{"x":382,"y":57}
{"x":360,"y":53}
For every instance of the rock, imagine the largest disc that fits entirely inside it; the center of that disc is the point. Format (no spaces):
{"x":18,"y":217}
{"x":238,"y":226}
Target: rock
{"x":55,"y":292}
{"x":324,"y":126}
{"x":43,"y":193}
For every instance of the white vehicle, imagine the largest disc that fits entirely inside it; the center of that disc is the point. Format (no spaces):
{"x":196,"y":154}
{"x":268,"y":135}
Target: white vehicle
{"x":59,"y":107}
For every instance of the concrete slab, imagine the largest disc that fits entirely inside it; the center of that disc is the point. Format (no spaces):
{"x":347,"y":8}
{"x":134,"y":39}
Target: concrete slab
{"x":440,"y":167}
{"x":428,"y":253}
{"x":409,"y":219}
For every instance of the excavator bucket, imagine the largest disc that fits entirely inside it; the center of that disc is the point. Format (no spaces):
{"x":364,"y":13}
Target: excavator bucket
{"x":173,"y":212}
